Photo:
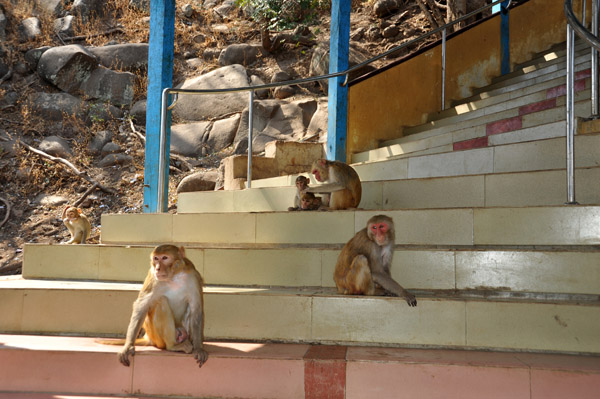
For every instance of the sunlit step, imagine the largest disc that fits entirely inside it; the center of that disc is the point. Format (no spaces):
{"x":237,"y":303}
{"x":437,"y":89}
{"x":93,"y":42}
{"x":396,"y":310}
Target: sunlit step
{"x":61,"y":365}
{"x":467,"y":320}
{"x":527,"y":270}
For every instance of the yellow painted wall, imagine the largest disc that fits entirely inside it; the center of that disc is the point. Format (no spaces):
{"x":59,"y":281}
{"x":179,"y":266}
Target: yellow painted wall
{"x":404,"y":95}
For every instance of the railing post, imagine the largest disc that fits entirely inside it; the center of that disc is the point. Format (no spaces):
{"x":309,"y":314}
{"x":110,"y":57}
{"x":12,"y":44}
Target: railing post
{"x":250,"y":128}
{"x":570,"y":116}
{"x":444,"y":69}
{"x":594,"y":60}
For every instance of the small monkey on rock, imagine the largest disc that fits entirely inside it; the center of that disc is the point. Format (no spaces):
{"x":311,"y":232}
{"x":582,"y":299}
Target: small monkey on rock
{"x":78,"y":224}
{"x":363,"y":266}
{"x":342,"y":183}
{"x":169,"y":307}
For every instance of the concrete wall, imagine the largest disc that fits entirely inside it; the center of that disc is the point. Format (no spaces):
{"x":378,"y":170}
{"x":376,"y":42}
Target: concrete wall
{"x":403,"y":95}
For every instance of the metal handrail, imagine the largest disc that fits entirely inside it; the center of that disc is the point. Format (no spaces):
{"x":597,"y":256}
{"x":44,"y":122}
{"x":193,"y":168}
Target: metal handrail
{"x":575,"y":26}
{"x":169,"y":90}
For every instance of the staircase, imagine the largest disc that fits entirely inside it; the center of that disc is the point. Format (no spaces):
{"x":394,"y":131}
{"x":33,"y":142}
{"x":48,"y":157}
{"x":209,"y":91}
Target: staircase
{"x":507,"y":277}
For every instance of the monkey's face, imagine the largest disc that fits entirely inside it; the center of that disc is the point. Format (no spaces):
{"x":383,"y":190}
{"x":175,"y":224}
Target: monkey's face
{"x":162,"y":266}
{"x":301,"y":184}
{"x":305,"y":203}
{"x":72,"y":214}
{"x":378,"y":232}
{"x":320,"y":173}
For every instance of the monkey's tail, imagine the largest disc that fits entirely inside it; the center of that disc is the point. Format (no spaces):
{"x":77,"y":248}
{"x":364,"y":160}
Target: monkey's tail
{"x":120,"y":341}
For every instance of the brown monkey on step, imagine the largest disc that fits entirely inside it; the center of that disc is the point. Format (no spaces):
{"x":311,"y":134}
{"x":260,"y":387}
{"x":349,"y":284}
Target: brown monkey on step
{"x":363,"y":266}
{"x":78,"y":224}
{"x":301,"y":186}
{"x":342,"y":182}
{"x":309,"y":202}
{"x":169,"y":306}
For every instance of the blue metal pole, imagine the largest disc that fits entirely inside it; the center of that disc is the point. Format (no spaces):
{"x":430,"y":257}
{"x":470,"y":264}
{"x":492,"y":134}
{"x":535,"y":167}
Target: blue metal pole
{"x":160,"y":76}
{"x":504,"y":39}
{"x":339,"y":44}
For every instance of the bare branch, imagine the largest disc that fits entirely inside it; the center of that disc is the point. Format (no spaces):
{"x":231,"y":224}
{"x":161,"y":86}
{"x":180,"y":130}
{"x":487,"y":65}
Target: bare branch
{"x":7,"y":211}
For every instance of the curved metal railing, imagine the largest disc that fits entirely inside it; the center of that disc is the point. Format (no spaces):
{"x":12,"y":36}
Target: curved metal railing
{"x":591,"y":38}
{"x":165,"y":107}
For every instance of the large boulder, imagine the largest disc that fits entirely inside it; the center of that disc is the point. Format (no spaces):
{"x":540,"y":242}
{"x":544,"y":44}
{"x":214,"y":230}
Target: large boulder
{"x":319,"y":63}
{"x":188,"y":139}
{"x":222,"y":133}
{"x":108,"y":85}
{"x":274,"y":120}
{"x":206,"y":106}
{"x":53,"y":106}
{"x":200,"y":181}
{"x":56,"y":146}
{"x":67,"y":67}
{"x":127,"y":57}
{"x":245,"y":54}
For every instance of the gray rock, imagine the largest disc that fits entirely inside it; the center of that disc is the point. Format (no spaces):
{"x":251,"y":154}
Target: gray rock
{"x":33,"y":56}
{"x":244,"y":54}
{"x":99,"y":140}
{"x":274,"y":120}
{"x":211,"y":54}
{"x":187,"y":10}
{"x":138,"y":112}
{"x":29,"y":29}
{"x":53,"y":7}
{"x":383,"y":8}
{"x":53,"y":106}
{"x":67,"y":67}
{"x":51,"y":200}
{"x":115,"y":160}
{"x":108,"y":85}
{"x":318,"y":122}
{"x":87,"y":9}
{"x":196,"y":108}
{"x":319,"y":63}
{"x":101,"y":112}
{"x":257,"y":81}
{"x":188,"y":139}
{"x":111,"y":148}
{"x":130,"y":57}
{"x":56,"y":146}
{"x":142,"y":5}
{"x":64,"y":26}
{"x":390,"y":31}
{"x":283,"y":92}
{"x":3,"y":22}
{"x":201,"y":181}
{"x":222,"y":133}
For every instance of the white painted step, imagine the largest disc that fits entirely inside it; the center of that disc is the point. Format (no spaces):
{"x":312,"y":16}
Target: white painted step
{"x":308,"y":315}
{"x":546,"y":270}
{"x":559,"y":225}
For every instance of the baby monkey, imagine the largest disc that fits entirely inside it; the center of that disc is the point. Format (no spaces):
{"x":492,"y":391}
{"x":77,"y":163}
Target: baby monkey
{"x":78,"y":224}
{"x":309,"y":202}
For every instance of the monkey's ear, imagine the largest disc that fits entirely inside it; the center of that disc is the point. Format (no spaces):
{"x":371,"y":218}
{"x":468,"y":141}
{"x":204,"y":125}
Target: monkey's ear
{"x":79,"y":211}
{"x":182,"y":251}
{"x":322,"y":162}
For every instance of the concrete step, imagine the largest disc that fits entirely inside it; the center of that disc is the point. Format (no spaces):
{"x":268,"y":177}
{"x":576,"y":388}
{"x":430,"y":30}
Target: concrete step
{"x":495,"y":189}
{"x":528,"y":122}
{"x":66,"y":367}
{"x":548,"y":270}
{"x":480,"y":319}
{"x":500,"y":158}
{"x":561,"y":225}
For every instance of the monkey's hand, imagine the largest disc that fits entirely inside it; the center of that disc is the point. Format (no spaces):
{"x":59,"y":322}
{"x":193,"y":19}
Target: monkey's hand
{"x":410,"y":299}
{"x":201,"y":356}
{"x":125,"y":353}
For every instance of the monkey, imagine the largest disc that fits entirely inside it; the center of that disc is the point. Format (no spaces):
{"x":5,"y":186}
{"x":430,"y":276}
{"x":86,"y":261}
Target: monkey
{"x":169,"y":307}
{"x":342,"y":183}
{"x":78,"y":224}
{"x":363,"y":266}
{"x":309,"y":202}
{"x":301,"y":186}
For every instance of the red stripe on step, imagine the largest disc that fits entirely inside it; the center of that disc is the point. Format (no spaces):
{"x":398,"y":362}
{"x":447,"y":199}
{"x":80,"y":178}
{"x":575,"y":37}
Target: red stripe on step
{"x":562,"y":89}
{"x":586,"y":73}
{"x":479,"y":142}
{"x":539,"y":106}
{"x":505,"y":125}
{"x":325,"y":372}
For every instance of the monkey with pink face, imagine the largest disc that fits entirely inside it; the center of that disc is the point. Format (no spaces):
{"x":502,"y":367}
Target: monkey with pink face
{"x":363,"y":266}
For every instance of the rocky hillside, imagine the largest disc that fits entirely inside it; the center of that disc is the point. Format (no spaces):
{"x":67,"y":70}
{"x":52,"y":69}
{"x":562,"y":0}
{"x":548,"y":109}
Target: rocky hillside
{"x":72,"y":97}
